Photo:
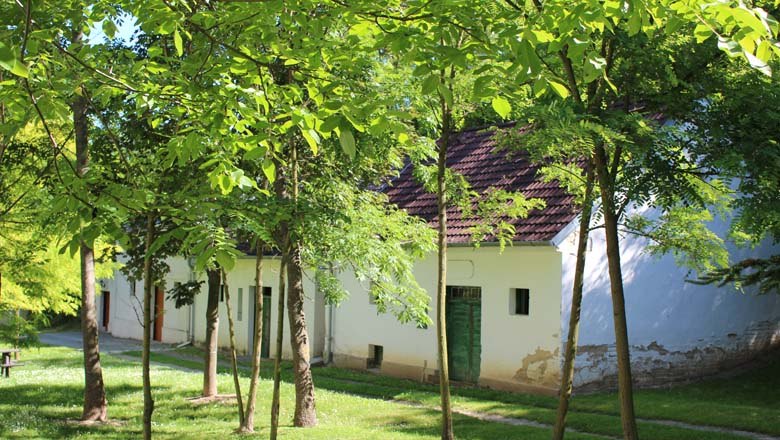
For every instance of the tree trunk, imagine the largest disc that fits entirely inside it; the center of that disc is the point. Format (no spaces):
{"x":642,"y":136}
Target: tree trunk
{"x":233,"y":357}
{"x":625,"y":383}
{"x":148,"y":320}
{"x":305,"y":412}
{"x":279,"y":342}
{"x":570,"y":354}
{"x":212,"y":335}
{"x":95,"y":406}
{"x":441,"y":287}
{"x":249,"y":419}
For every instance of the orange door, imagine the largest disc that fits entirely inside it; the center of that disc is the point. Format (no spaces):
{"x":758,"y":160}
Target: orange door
{"x":159,"y":308}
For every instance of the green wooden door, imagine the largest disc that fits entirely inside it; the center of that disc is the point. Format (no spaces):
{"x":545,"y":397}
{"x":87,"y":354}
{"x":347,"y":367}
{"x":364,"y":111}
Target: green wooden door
{"x":464,"y":324}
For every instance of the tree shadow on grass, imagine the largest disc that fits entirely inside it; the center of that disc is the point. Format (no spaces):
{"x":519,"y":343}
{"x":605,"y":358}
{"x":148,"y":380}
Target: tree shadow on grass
{"x":49,"y":410}
{"x":426,"y":422}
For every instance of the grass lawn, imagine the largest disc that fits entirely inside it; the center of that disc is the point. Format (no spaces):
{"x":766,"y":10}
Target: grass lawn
{"x":355,"y":405}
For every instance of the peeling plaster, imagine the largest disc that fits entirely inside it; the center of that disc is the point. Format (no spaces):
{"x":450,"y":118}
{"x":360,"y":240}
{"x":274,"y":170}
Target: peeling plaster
{"x":658,"y":365}
{"x":540,"y":368}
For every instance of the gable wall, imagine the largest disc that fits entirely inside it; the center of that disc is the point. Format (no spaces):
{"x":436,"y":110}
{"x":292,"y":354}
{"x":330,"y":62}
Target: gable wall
{"x":678,"y":331}
{"x":518,"y":352}
{"x":177,"y":322}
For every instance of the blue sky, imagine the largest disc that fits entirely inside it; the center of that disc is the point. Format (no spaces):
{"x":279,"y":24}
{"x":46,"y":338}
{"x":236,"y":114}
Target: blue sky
{"x":125,"y":26}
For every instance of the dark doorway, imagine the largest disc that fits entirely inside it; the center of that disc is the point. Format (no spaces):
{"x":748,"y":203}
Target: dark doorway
{"x":464,"y":327}
{"x":265,"y":345}
{"x":106,"y":308}
{"x":159,"y":309}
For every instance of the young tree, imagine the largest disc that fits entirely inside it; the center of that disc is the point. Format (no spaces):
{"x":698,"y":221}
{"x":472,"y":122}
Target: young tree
{"x":249,"y":415}
{"x":212,"y":334}
{"x":587,"y":57}
{"x":233,"y":355}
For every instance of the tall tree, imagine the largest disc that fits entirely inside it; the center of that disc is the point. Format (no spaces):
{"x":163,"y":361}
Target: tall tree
{"x":592,"y":66}
{"x":95,"y":405}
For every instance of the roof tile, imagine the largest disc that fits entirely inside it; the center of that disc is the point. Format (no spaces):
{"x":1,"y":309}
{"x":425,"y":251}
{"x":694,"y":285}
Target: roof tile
{"x":472,"y":154}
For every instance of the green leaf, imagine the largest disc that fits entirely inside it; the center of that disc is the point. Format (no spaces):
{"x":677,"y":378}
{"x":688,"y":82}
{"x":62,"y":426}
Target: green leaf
{"x":9,"y":62}
{"x":330,"y":123}
{"x":109,"y":28}
{"x":269,"y":169}
{"x":178,"y":43}
{"x":347,"y":141}
{"x":559,"y":88}
{"x":429,"y":84}
{"x":501,"y":106}
{"x":225,"y":259}
{"x":702,"y":32}
{"x":445,"y":93}
{"x":312,"y":138}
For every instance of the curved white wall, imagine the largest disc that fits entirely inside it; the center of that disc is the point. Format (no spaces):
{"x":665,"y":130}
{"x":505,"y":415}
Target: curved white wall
{"x":677,"y":330}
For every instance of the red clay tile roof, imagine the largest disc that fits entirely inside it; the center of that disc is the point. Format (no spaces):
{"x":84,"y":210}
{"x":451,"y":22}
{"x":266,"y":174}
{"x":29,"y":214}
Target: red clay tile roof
{"x":472,"y":155}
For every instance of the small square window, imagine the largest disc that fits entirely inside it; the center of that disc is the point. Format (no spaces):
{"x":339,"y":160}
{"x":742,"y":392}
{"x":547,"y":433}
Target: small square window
{"x":521,"y":299}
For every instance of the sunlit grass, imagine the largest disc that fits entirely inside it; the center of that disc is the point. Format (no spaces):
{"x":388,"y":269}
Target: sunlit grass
{"x":40,"y":397}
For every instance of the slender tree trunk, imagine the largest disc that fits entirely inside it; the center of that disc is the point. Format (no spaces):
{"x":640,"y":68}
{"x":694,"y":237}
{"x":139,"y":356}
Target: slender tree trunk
{"x":212,"y":335}
{"x":148,"y":319}
{"x":441,"y":288}
{"x":233,"y":357}
{"x":305,"y":411}
{"x":625,"y":383}
{"x":249,"y":419}
{"x":279,"y":341}
{"x":567,"y":378}
{"x":95,"y":406}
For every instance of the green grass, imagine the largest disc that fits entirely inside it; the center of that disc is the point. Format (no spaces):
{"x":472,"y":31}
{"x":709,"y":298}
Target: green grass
{"x":596,"y":414}
{"x":356,"y":405}
{"x":39,"y":397}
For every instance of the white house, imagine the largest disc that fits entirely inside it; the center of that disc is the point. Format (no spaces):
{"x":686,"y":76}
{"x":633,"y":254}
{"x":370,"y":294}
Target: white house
{"x":507,"y":311}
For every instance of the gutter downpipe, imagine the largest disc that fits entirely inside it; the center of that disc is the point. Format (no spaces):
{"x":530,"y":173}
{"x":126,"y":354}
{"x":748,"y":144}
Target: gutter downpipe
{"x":331,"y":322}
{"x":191,"y":326}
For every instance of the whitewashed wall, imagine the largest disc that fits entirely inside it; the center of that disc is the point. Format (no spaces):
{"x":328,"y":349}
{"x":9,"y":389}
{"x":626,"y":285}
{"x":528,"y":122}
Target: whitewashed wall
{"x":677,"y":330}
{"x":243,"y":276}
{"x":179,"y":323}
{"x":517,"y":351}
{"x":126,"y":309}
